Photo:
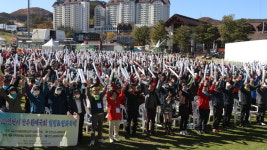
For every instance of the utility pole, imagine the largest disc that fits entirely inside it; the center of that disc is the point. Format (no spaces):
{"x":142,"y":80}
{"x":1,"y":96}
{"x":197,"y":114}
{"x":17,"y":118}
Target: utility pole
{"x":28,"y":19}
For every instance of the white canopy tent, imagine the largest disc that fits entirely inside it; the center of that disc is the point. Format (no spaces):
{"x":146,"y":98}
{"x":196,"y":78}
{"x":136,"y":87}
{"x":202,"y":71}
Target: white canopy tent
{"x":51,"y":45}
{"x":2,"y":39}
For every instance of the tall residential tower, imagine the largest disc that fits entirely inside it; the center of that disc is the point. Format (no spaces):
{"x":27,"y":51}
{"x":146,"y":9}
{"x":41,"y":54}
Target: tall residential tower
{"x":72,"y":13}
{"x":136,"y":12}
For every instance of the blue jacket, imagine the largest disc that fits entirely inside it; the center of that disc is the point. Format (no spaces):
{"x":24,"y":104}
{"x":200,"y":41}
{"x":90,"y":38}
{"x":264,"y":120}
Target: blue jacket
{"x":37,"y":104}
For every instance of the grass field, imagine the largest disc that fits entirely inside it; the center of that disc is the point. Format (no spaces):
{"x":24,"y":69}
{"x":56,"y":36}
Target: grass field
{"x":6,"y":35}
{"x":253,"y":137}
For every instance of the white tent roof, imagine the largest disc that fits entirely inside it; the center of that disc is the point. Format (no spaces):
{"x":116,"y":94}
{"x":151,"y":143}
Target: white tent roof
{"x":2,"y":39}
{"x":51,"y":43}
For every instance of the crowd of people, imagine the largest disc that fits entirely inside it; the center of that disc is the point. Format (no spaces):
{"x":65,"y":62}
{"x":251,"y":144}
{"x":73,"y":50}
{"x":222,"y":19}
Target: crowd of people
{"x":70,"y":82}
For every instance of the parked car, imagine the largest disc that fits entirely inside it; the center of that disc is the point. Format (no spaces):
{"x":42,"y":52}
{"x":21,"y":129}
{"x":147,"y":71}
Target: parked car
{"x":206,"y":56}
{"x":191,"y":56}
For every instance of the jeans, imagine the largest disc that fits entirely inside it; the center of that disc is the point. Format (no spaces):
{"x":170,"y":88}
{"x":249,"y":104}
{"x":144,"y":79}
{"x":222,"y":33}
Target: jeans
{"x":227,"y":115}
{"x":245,"y":111}
{"x":131,"y":116}
{"x":151,"y":115}
{"x":203,"y":119}
{"x":184,"y":122}
{"x":261,"y":113}
{"x":218,"y":111}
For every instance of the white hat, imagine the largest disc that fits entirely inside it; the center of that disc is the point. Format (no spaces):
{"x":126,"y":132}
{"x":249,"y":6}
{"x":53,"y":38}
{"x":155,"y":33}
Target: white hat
{"x":228,"y":84}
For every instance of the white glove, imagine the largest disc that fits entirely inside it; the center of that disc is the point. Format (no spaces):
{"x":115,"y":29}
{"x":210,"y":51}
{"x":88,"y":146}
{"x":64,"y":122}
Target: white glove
{"x":47,"y":110}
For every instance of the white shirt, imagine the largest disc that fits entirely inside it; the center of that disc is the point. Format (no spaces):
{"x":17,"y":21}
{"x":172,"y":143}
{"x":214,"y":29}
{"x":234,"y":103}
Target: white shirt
{"x":79,"y":106}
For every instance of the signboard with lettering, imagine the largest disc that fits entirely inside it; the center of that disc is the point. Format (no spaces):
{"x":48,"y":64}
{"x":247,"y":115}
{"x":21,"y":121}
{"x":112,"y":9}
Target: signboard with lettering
{"x":11,"y":27}
{"x":37,"y":130}
{"x":22,"y":29}
{"x":2,"y":26}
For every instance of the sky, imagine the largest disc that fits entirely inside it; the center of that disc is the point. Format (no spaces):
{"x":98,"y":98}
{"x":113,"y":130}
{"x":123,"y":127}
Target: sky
{"x":215,"y":9}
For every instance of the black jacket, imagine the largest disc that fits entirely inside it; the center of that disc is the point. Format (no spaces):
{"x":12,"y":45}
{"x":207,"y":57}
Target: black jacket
{"x":245,"y":95}
{"x":261,"y":96}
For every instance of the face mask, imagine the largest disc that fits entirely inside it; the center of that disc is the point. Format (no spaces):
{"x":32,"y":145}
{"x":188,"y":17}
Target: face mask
{"x":185,"y":91}
{"x":37,"y":82}
{"x":58,"y":92}
{"x":5,"y":87}
{"x":13,"y":96}
{"x":206,"y":93}
{"x":36,"y":93}
{"x":77,"y":96}
{"x":97,"y":97}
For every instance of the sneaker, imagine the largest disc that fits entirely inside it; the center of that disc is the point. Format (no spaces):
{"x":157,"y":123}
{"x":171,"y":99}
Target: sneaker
{"x":263,"y":124}
{"x":117,"y":140}
{"x":182,"y":132}
{"x":101,"y":141}
{"x":215,"y":130}
{"x":111,"y":140}
{"x":92,"y":143}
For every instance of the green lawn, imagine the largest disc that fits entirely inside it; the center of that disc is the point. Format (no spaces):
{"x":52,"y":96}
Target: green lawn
{"x":254,"y":137}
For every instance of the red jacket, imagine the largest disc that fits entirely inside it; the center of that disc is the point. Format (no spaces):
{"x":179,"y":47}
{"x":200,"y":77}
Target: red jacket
{"x":114,"y":106}
{"x":203,"y":99}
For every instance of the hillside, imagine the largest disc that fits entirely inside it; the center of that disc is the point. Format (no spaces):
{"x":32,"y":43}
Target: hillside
{"x":33,"y":10}
{"x":211,"y":20}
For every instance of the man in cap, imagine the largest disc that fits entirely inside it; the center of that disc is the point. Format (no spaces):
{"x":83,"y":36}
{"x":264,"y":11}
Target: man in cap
{"x":58,"y":100}
{"x":151,"y":103}
{"x":132,"y":105}
{"x":228,"y":98}
{"x":97,"y":110}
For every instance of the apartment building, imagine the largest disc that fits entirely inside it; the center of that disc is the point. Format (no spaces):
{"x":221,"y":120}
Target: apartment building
{"x":72,"y":13}
{"x":137,"y":12}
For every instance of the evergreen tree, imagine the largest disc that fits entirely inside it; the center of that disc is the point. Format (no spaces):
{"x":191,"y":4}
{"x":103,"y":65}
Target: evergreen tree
{"x":206,"y":33}
{"x":234,"y":30}
{"x":158,"y":32}
{"x":182,"y":37}
{"x":140,"y":35}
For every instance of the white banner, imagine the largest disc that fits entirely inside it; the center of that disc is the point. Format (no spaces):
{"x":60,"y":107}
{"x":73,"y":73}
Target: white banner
{"x":37,"y":130}
{"x":11,"y":27}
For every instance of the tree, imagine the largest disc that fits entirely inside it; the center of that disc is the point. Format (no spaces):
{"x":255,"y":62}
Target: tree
{"x":206,"y":33}
{"x":158,"y":32}
{"x":110,"y":36}
{"x":140,"y":35}
{"x":234,"y":30}
{"x":38,"y":19}
{"x":103,"y":36}
{"x":243,"y":28}
{"x":45,"y":25}
{"x":182,"y":37}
